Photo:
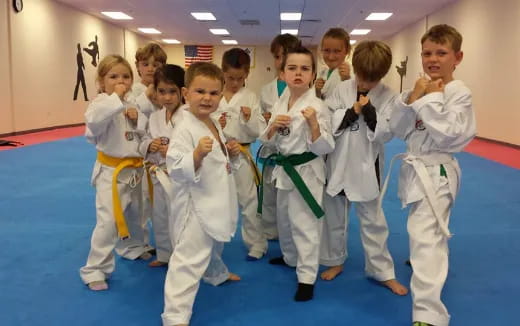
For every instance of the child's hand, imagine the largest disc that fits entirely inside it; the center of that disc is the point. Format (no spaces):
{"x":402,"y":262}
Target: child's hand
{"x":223,"y":120}
{"x":151,"y":94}
{"x":246,"y":112}
{"x":154,"y":145}
{"x":420,"y":86}
{"x":320,"y":82}
{"x":309,"y":114}
{"x":233,"y":148}
{"x":121,"y":90}
{"x":163,"y":149}
{"x":131,"y":114}
{"x":281,"y":121}
{"x":204,"y":147}
{"x":363,"y":100}
{"x":435,"y":86}
{"x":344,"y":71}
{"x":267,"y":116}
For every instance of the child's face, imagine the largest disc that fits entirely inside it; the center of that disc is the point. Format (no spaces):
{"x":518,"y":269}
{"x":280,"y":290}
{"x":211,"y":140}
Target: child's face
{"x":365,"y":85}
{"x":168,"y":95}
{"x":298,"y":73}
{"x":147,"y":68}
{"x":333,"y":51}
{"x":119,"y":74}
{"x":439,"y":60}
{"x":278,"y":58}
{"x":234,"y":79}
{"x":203,"y":96}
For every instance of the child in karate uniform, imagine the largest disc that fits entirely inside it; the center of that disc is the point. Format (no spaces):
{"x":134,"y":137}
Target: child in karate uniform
{"x":300,"y":130}
{"x":269,"y":94}
{"x":240,"y":108}
{"x":436,"y":120}
{"x":204,"y":205}
{"x":335,"y":47}
{"x":168,"y":82}
{"x":361,"y":109}
{"x":115,"y":127}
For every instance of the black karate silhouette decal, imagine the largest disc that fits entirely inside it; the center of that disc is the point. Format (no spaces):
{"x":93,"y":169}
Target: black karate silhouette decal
{"x":80,"y":78}
{"x":93,"y":51}
{"x":402,"y":71}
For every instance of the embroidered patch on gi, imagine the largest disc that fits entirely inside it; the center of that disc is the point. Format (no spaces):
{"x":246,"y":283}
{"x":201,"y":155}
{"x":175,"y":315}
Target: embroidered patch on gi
{"x":354,"y":126}
{"x":165,"y":140}
{"x":129,"y":135}
{"x":285,"y":131}
{"x":419,"y":125}
{"x":228,"y":167}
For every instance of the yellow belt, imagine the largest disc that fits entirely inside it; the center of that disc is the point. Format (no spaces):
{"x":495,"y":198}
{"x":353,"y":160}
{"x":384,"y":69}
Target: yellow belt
{"x":119,"y":164}
{"x":244,"y":148}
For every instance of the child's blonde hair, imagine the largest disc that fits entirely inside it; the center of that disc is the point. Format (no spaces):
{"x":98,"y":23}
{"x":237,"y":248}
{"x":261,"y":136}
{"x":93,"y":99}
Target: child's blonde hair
{"x":444,"y":34}
{"x":371,"y":60}
{"x":149,"y":50}
{"x":109,"y":62}
{"x":205,"y":69}
{"x":338,"y":33}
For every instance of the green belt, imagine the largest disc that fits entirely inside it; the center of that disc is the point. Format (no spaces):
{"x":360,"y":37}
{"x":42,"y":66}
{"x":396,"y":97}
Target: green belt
{"x":288,"y":163}
{"x":267,"y":161}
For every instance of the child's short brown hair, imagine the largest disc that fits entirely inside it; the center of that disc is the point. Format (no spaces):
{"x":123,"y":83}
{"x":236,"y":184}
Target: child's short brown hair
{"x":236,"y":58}
{"x":149,"y":50}
{"x":444,"y":34}
{"x":300,"y":50}
{"x":338,"y":33}
{"x":285,"y":42}
{"x":205,"y":69}
{"x":371,"y":60}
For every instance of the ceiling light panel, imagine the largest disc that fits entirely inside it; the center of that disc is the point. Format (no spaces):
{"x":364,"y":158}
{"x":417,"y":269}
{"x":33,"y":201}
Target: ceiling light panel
{"x":203,"y":16}
{"x":148,"y":30}
{"x":290,"y":16}
{"x":219,"y":31}
{"x":290,"y":31}
{"x":171,"y":41}
{"x":116,"y":15}
{"x":360,"y":32}
{"x":229,"y":42}
{"x":379,"y":16}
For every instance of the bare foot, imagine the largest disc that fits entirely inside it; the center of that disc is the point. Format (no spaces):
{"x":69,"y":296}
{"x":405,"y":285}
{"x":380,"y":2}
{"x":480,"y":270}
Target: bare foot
{"x":395,"y":287}
{"x":98,"y":286}
{"x":233,"y":277}
{"x":145,"y":256}
{"x":157,"y":263}
{"x":331,"y":273}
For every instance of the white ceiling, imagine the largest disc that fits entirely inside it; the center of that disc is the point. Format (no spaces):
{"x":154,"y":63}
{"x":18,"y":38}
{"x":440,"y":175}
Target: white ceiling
{"x":173,"y":19}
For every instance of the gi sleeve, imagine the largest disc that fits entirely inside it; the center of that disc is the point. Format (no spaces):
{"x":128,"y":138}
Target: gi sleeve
{"x":100,"y":113}
{"x":179,"y":158}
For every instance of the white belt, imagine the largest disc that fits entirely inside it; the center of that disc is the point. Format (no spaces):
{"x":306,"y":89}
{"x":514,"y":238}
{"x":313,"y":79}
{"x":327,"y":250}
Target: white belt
{"x":419,"y":163}
{"x":163,"y":179}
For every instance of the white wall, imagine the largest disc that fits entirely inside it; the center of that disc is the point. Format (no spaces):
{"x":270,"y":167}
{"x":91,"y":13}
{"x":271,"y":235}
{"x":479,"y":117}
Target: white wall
{"x":491,"y":46}
{"x":259,"y":74}
{"x":42,"y":43}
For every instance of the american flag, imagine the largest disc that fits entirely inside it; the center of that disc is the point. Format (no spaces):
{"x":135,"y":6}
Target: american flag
{"x":194,"y":53}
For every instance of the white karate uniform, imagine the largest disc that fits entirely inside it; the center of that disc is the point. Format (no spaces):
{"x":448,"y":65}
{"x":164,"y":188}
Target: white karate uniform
{"x":299,"y":229}
{"x":138,"y":96}
{"x":159,"y":127}
{"x":205,"y":213}
{"x":434,"y":127}
{"x":245,"y":132}
{"x":330,"y":81}
{"x":106,"y":126}
{"x":268,"y":96}
{"x":352,"y":168}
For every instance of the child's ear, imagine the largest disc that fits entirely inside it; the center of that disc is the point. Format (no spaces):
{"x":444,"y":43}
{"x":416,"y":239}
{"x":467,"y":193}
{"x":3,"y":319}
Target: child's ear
{"x":458,"y":57}
{"x":184,"y":92}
